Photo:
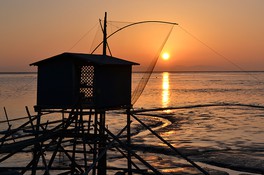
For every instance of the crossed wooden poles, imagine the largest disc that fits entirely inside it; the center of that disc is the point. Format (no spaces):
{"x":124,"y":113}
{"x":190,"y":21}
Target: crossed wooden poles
{"x":81,"y":137}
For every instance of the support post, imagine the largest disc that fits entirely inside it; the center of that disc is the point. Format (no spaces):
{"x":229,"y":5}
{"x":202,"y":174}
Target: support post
{"x":9,"y":125}
{"x":7,"y":120}
{"x":95,"y":142}
{"x":36,"y":151}
{"x":83,"y":138}
{"x":76,"y":130}
{"x":102,"y":145}
{"x":105,"y":35}
{"x":129,"y":167}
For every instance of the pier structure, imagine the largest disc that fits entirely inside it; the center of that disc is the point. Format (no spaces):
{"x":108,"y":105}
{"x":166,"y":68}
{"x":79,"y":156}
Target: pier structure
{"x":86,"y":86}
{"x":75,"y":90}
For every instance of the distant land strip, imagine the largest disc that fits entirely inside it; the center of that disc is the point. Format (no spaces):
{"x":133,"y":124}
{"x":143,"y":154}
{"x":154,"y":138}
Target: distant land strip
{"x":224,"y":71}
{"x":18,"y":72}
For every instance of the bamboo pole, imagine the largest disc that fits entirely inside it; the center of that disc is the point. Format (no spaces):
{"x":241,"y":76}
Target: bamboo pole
{"x":30,"y":120}
{"x":172,"y":147}
{"x":129,"y":167}
{"x":102,"y":153}
{"x":6,"y":117}
{"x":133,"y":153}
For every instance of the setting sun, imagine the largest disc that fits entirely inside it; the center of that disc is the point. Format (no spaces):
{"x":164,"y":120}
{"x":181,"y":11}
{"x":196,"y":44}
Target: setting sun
{"x":165,"y":56}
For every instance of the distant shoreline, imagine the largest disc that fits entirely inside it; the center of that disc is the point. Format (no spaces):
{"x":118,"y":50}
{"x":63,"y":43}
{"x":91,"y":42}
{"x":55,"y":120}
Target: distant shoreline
{"x":202,"y":71}
{"x":159,"y":72}
{"x":18,"y":72}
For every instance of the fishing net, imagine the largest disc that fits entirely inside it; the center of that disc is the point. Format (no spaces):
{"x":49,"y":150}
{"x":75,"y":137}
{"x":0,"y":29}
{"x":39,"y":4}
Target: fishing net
{"x":140,"y":42}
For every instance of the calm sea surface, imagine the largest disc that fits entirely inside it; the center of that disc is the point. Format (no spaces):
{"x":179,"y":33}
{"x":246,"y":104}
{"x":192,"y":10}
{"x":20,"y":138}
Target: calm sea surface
{"x":216,"y":127}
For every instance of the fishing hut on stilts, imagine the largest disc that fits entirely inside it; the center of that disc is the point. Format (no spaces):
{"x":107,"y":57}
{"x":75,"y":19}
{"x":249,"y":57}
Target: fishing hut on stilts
{"x":84,"y":86}
{"x":80,"y":88}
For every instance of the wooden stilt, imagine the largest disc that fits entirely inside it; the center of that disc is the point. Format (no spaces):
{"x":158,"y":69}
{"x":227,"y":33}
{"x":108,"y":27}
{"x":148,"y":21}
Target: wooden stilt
{"x":133,"y":153}
{"x":4,"y":139}
{"x":74,"y":146}
{"x":102,"y":145}
{"x":9,"y":125}
{"x":128,"y":142}
{"x":36,"y":149}
{"x":172,"y":147}
{"x":30,"y":119}
{"x":95,"y":142}
{"x":83,"y":139}
{"x":6,"y":117}
{"x":103,"y":152}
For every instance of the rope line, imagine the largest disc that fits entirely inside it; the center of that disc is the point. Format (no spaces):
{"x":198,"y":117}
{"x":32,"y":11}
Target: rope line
{"x":77,"y":42}
{"x":218,"y":53}
{"x":135,"y":111}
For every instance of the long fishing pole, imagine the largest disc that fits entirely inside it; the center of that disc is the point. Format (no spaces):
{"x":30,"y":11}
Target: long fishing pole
{"x":129,"y":25}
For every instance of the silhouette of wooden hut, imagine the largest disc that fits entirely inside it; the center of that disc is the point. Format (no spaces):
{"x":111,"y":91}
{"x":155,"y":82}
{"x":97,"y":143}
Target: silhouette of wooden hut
{"x":75,"y":80}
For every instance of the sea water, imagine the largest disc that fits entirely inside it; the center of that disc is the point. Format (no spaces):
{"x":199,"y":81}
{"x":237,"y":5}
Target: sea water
{"x":232,"y":129}
{"x":224,"y":126}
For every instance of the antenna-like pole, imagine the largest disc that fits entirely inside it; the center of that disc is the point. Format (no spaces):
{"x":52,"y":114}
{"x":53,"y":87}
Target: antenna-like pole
{"x":105,"y":36}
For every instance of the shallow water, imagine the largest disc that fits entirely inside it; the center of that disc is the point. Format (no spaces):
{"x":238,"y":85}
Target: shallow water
{"x":210,"y":129}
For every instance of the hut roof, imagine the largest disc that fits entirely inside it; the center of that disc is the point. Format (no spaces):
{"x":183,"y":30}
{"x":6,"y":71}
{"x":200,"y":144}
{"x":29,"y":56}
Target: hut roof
{"x":88,"y":58}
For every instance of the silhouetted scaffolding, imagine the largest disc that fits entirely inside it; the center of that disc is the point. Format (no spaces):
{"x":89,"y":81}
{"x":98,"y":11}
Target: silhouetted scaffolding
{"x":69,"y":133}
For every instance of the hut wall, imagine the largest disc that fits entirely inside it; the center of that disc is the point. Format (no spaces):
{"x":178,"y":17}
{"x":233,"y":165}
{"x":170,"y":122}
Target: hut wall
{"x":56,"y":85}
{"x":112,"y":86}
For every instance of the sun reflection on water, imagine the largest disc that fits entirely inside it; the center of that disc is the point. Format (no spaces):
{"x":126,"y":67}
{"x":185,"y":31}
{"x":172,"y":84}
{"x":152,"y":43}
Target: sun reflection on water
{"x":165,"y":89}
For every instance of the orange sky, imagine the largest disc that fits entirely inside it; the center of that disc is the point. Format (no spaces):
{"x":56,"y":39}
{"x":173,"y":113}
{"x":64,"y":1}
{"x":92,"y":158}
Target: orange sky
{"x":33,"y":30}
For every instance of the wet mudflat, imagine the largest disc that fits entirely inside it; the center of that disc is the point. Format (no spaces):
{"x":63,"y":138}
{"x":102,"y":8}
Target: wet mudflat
{"x":228,"y":138}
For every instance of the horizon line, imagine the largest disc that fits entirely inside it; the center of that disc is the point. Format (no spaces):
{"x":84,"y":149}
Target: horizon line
{"x":181,"y":71}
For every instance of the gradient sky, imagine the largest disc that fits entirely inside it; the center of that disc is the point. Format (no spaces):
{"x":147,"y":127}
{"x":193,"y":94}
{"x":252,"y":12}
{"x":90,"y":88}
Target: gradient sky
{"x":33,"y":30}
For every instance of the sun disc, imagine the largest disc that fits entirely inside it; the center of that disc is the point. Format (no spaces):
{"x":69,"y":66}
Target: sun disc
{"x":165,"y":56}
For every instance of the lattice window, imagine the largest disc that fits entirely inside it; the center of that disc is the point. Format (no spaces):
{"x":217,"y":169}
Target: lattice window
{"x":87,"y":75}
{"x":87,"y":92}
{"x":86,"y":81}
